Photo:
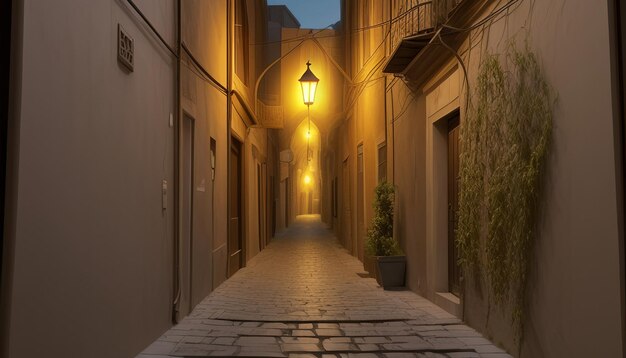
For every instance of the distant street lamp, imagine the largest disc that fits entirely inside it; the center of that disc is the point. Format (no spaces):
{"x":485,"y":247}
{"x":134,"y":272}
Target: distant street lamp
{"x":308,"y":82}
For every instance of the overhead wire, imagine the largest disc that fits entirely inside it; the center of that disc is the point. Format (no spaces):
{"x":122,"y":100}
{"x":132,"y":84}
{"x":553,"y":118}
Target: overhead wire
{"x":312,"y":33}
{"x":391,"y":20}
{"x":438,"y":38}
{"x":212,"y":81}
{"x":483,"y":21}
{"x":405,"y":106}
{"x":152,"y":28}
{"x":359,"y":87}
{"x":359,"y":90}
{"x":342,"y":34}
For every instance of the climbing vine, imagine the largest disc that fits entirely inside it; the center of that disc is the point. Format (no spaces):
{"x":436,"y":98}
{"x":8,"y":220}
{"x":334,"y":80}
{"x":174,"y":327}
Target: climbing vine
{"x":504,"y":141}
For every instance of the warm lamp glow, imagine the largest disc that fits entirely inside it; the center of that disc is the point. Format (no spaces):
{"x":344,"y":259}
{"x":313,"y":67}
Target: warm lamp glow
{"x":308,"y":82}
{"x":308,"y":134}
{"x":308,"y":92}
{"x":307,"y":179}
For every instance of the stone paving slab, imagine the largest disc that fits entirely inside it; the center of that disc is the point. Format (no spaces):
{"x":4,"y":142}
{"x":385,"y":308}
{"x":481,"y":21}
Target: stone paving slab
{"x":302,"y":297}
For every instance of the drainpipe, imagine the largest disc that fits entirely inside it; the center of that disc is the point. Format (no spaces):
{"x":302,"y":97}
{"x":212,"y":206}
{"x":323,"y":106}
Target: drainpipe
{"x":389,"y":172}
{"x":11,"y":39}
{"x":229,"y":119}
{"x":176,"y":186}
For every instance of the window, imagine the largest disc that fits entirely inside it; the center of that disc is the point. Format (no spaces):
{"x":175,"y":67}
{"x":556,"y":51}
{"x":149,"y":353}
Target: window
{"x":213,"y":157}
{"x":382,"y":162}
{"x":335,"y":197}
{"x":332,"y":197}
{"x":366,"y":20}
{"x":241,"y":41}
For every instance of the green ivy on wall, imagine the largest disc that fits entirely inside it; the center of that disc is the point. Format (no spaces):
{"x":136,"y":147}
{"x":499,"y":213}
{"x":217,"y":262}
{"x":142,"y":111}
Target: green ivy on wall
{"x":504,"y":140}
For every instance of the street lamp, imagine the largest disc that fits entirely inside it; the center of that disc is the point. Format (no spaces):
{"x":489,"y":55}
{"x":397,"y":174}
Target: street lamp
{"x":308,"y":82}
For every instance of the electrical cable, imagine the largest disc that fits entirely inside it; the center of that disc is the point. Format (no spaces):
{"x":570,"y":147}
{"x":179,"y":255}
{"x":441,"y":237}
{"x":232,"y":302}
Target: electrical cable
{"x":392,"y":20}
{"x":373,"y":53}
{"x":154,"y":30}
{"x":405,"y":106}
{"x":312,"y":33}
{"x":483,"y":21}
{"x":360,"y":90}
{"x":351,"y":31}
{"x":205,"y":73}
{"x":457,"y":56}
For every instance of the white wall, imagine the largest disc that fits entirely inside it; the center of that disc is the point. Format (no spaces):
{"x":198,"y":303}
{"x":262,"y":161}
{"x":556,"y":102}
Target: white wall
{"x":93,"y":249}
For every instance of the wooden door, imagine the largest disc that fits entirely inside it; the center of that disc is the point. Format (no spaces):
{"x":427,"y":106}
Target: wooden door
{"x":260,"y":206}
{"x":287,"y":202}
{"x":346,"y":220}
{"x":186,"y":240}
{"x":360,"y":205}
{"x":454,"y":273}
{"x":235,"y":238}
{"x":273,"y":201}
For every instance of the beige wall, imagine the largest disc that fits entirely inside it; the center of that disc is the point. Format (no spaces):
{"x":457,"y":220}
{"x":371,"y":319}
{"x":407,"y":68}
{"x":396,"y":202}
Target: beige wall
{"x":365,"y":105}
{"x":91,"y":241}
{"x":259,"y":144}
{"x":574,"y":293}
{"x":408,"y":156}
{"x":204,"y":33}
{"x":92,"y":247}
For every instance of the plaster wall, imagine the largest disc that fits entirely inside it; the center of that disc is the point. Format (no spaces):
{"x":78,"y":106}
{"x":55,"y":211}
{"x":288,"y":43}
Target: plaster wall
{"x":369,"y":116}
{"x":207,"y":107}
{"x":256,"y":150}
{"x":340,"y":143}
{"x":442,"y":98}
{"x":93,"y":247}
{"x":365,"y":106}
{"x":255,"y":155}
{"x":574,"y":304}
{"x":408,"y":140}
{"x":204,"y":31}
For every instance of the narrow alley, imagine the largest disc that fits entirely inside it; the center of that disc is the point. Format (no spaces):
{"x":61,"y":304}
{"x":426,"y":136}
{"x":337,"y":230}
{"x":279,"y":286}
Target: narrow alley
{"x":303,"y":297}
{"x":313,"y":178}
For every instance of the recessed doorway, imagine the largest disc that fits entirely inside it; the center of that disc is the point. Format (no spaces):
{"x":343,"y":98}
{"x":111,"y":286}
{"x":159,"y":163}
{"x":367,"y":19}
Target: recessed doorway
{"x":454,"y":271}
{"x":235,"y":236}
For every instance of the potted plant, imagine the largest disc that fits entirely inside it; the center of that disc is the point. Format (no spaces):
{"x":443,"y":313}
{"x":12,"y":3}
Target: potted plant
{"x":380,"y":243}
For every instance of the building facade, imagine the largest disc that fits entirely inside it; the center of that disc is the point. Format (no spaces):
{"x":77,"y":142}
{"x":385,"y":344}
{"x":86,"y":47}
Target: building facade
{"x":413,"y":63}
{"x":123,"y":117}
{"x":155,"y":147}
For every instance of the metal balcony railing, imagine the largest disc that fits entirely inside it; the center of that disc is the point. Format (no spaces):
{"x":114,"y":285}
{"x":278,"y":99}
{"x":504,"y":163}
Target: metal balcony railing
{"x":411,"y":18}
{"x":414,"y":17}
{"x":270,"y":116}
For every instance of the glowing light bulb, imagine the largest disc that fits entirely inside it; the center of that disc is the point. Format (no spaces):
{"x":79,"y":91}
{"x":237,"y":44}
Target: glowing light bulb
{"x":307,"y":179}
{"x":308,"y":134}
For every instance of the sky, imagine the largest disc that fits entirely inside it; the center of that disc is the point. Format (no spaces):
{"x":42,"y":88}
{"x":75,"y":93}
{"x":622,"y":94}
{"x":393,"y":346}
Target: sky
{"x":312,"y":14}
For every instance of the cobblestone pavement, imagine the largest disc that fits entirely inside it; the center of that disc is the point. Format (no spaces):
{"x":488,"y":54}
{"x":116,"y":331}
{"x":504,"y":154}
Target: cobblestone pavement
{"x":302,"y":297}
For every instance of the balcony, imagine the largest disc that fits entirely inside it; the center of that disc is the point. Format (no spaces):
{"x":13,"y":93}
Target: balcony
{"x":418,"y":19}
{"x":270,"y":116}
{"x":413,"y":26}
